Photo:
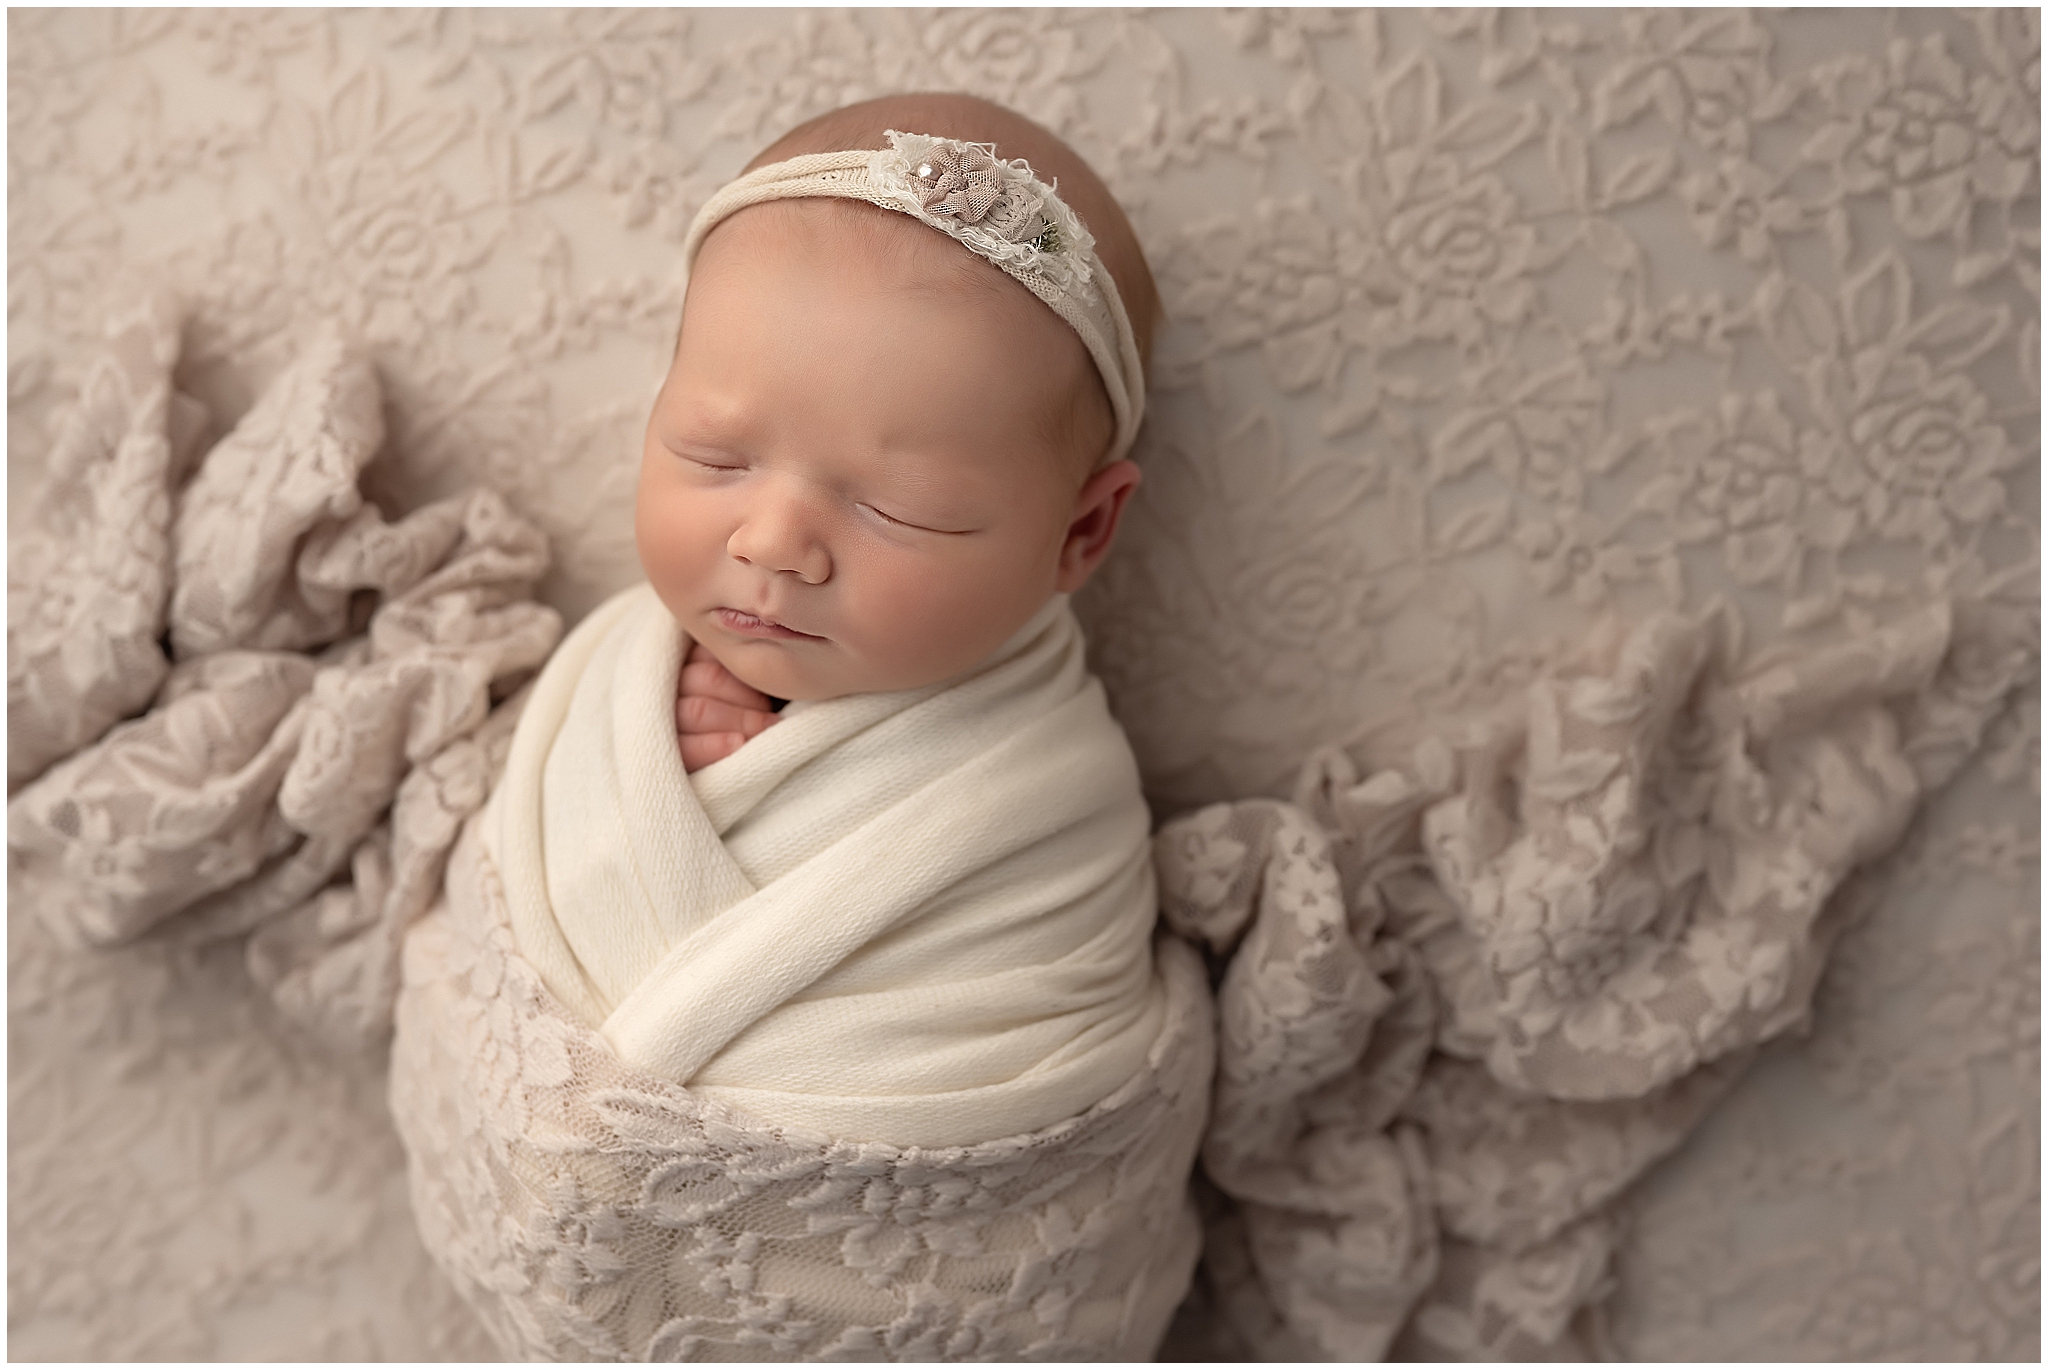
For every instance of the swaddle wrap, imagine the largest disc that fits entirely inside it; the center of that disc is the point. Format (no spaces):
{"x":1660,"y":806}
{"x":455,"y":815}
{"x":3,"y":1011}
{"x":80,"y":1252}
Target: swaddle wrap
{"x":921,"y":917}
{"x":854,"y":1044}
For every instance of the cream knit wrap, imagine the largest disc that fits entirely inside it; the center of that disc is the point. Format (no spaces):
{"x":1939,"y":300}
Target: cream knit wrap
{"x":921,"y":917}
{"x":996,"y":209}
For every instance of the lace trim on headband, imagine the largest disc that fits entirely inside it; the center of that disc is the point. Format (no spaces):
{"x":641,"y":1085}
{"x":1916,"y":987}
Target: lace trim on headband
{"x":997,"y":208}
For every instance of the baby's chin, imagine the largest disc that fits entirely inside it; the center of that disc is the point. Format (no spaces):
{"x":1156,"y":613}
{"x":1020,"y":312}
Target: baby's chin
{"x":807,"y":671}
{"x":795,"y":670}
{"x":769,"y":668}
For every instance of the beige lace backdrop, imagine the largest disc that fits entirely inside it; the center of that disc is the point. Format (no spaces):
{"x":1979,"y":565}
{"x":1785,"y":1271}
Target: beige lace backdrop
{"x":1481,"y":329}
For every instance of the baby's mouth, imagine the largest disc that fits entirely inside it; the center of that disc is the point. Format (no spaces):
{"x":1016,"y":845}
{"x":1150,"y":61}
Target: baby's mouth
{"x":752,"y":625}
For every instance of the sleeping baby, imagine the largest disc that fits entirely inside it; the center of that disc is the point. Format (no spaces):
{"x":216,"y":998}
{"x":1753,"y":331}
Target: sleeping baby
{"x":905,"y":925}
{"x":877,"y":466}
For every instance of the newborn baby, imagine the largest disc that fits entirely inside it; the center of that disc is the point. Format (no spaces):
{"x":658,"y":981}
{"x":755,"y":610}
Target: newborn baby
{"x":839,"y":1032}
{"x":916,"y":906}
{"x":876,"y":455}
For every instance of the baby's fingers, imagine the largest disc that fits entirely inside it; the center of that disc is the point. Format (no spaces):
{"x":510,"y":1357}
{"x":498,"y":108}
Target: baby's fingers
{"x":703,"y":714}
{"x":712,"y":680}
{"x":701,"y":749}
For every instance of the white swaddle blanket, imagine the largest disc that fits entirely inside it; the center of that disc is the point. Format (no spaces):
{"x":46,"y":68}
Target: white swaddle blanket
{"x":921,"y":917}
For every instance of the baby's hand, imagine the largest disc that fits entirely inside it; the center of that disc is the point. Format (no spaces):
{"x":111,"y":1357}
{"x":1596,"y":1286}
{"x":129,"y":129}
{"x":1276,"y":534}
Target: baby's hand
{"x":715,"y":712}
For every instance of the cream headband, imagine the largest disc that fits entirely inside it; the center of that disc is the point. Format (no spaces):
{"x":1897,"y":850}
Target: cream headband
{"x":996,"y":209}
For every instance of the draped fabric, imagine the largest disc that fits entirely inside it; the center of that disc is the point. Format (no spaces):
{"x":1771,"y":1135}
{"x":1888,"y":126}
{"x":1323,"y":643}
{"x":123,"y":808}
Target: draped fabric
{"x":591,"y":1211}
{"x":922,"y":917}
{"x":1481,"y":329}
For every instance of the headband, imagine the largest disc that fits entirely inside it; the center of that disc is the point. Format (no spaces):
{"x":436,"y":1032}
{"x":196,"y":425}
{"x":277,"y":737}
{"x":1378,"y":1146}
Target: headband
{"x":996,"y":209}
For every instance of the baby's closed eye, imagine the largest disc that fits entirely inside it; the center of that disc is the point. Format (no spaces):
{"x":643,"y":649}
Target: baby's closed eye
{"x":904,"y":521}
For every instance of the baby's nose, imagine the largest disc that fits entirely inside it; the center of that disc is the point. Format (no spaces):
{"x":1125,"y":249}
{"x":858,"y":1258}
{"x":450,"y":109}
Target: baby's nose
{"x":779,"y":537}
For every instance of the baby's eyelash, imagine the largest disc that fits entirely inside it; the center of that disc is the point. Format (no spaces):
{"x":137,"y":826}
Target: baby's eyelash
{"x":918,"y":527}
{"x":898,"y":522}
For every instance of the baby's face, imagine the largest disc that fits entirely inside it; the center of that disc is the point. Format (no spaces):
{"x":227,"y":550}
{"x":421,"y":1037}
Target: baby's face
{"x":850,"y":481}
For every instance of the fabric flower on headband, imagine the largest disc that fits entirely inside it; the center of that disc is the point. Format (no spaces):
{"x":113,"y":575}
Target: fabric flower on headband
{"x":999,"y":208}
{"x":960,"y":180}
{"x":965,"y":182}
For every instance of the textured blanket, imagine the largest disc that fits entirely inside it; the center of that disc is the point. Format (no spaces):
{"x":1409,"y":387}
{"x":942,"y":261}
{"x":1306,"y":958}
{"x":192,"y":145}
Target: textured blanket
{"x":589,"y":1210}
{"x":1469,"y":985}
{"x":1483,"y":973}
{"x":239,"y":700}
{"x":922,"y":917}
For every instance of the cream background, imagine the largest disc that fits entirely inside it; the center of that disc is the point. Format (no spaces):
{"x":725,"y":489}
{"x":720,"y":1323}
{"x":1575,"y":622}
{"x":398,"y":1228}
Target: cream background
{"x":1478,"y":328}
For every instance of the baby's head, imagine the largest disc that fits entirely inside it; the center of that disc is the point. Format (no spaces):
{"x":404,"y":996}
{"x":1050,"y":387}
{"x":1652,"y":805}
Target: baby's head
{"x":877,"y":454}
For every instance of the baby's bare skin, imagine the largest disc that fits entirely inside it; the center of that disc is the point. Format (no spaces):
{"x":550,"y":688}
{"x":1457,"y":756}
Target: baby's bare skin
{"x":868,"y":467}
{"x":847,"y":485}
{"x":715,"y":712}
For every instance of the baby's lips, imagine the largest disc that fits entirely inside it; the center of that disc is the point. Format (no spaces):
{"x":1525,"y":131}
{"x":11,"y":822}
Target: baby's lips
{"x":757,"y":625}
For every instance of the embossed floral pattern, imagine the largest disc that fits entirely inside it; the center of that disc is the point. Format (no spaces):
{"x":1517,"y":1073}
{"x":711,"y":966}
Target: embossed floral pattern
{"x":1918,"y":124}
{"x":1479,"y":324}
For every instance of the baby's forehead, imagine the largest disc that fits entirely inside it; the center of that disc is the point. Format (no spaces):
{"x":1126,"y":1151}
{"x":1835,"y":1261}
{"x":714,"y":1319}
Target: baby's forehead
{"x":854,"y":232}
{"x":1040,"y":354}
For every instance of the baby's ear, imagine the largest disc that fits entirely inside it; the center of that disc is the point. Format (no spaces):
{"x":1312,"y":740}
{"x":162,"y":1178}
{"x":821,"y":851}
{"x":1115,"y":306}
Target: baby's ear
{"x":1098,"y":509}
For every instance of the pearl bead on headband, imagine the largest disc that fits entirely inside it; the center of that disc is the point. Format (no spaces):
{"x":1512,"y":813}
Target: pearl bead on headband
{"x":996,"y":209}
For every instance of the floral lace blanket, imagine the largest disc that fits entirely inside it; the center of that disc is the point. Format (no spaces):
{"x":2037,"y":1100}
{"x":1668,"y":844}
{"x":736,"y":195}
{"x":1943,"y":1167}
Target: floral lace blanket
{"x":1477,"y":978}
{"x":1481,"y":975}
{"x":588,"y":1210}
{"x":238,"y":699}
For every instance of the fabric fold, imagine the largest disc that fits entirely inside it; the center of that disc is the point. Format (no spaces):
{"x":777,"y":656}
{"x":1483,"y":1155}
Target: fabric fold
{"x":589,"y":1210}
{"x":1480,"y":980}
{"x":241,"y":701}
{"x":923,"y":916}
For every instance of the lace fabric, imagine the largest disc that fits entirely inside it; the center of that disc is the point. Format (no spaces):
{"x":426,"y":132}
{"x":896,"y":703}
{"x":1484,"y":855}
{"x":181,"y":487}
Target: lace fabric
{"x":1475,"y":991}
{"x":1479,"y":327}
{"x":589,"y":1211}
{"x":299,"y":775}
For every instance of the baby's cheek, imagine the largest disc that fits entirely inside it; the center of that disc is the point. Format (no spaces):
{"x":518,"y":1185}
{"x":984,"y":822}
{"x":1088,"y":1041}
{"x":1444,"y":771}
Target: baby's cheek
{"x":669,"y":536}
{"x":942,"y":616}
{"x":909,"y":595}
{"x":647,"y":539}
